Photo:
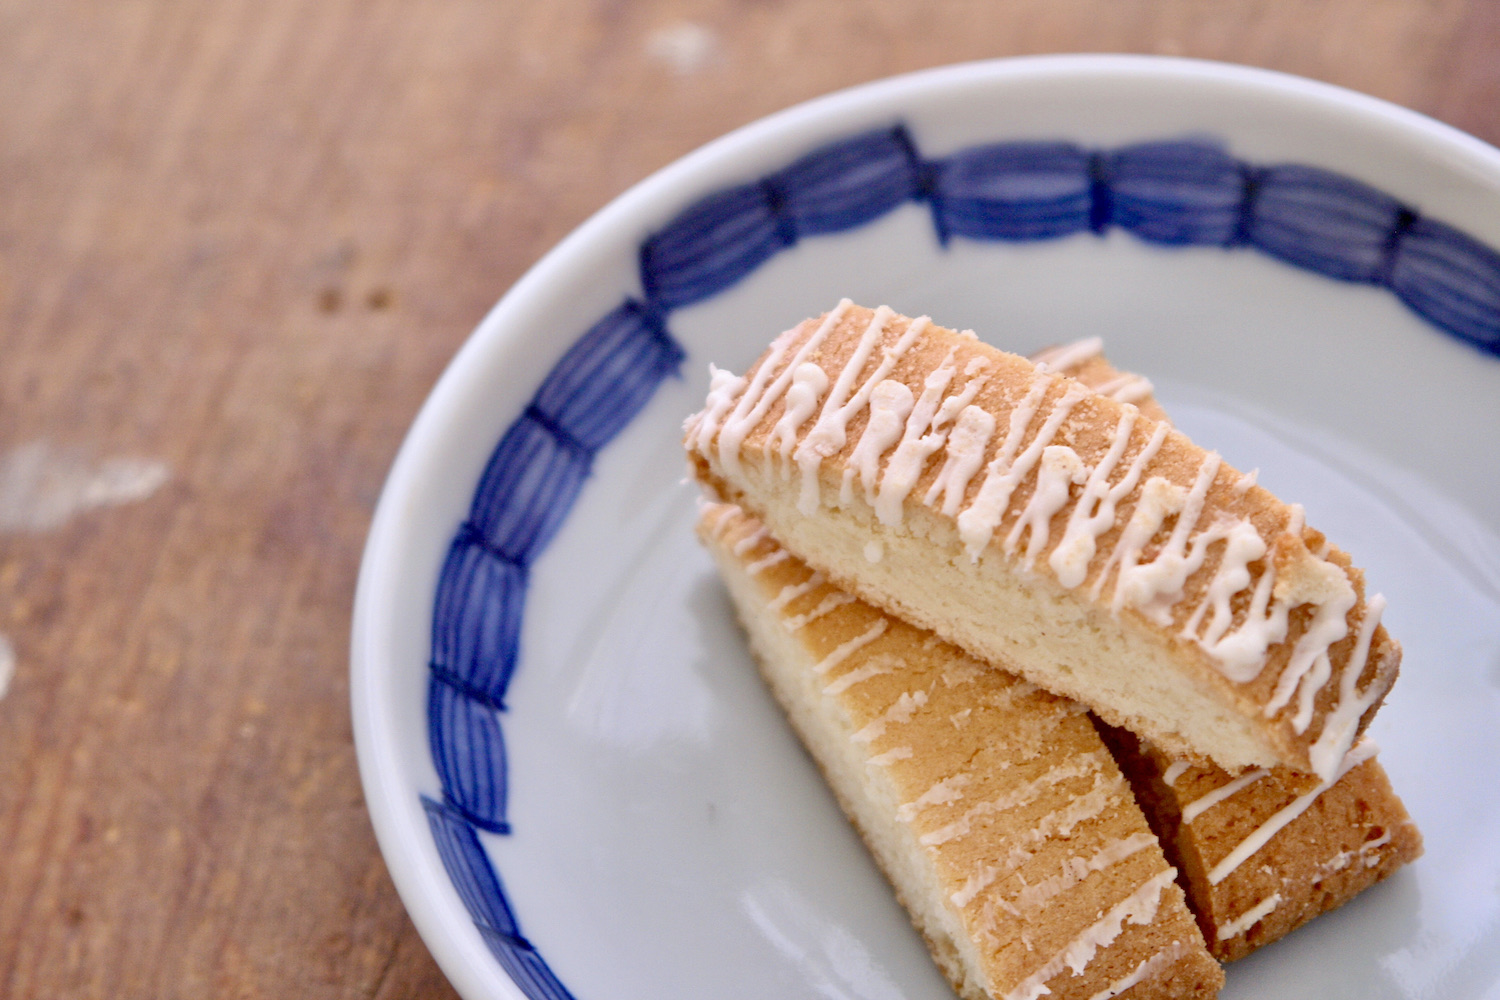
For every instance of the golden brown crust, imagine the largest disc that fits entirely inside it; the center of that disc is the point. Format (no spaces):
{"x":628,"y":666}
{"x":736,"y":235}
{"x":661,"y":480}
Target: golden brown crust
{"x":1002,"y":794}
{"x":758,"y":478}
{"x":1351,"y":836}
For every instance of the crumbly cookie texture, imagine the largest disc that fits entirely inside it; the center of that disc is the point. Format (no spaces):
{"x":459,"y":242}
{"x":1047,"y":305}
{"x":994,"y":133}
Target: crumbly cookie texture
{"x":1036,"y":522}
{"x":993,"y":807}
{"x":1257,"y":856}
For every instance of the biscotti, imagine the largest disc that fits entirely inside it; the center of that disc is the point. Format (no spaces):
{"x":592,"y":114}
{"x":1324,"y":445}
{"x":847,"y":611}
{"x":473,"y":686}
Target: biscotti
{"x":1034,"y":522}
{"x":993,"y":807}
{"x":1258,"y":858}
{"x":1259,"y":854}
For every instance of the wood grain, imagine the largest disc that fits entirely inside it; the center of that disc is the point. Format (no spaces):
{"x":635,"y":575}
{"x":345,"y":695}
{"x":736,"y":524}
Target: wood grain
{"x":242,"y":241}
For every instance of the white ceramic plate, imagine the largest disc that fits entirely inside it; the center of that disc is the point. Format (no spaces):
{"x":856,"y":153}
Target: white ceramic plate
{"x":666,"y":835}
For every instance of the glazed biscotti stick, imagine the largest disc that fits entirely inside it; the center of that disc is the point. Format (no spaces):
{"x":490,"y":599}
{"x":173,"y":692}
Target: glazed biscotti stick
{"x":1258,"y":854}
{"x":993,"y":807}
{"x":1259,"y":858}
{"x":1037,"y":523}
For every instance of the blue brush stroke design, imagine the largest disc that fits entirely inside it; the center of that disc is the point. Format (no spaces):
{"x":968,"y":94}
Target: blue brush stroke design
{"x":1176,"y":193}
{"x":1013,"y":191}
{"x":468,"y":750}
{"x":849,"y":183}
{"x":469,"y":867}
{"x":1324,"y":222}
{"x":1451,"y":280}
{"x":477,"y":618}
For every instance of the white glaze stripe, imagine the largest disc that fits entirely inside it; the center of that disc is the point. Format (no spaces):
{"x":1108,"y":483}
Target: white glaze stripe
{"x":858,"y":675}
{"x":1059,"y":822}
{"x":1308,"y":665}
{"x":752,"y":406}
{"x":964,"y":455}
{"x":1060,"y":469}
{"x":845,"y":650}
{"x":1262,"y":834}
{"x":1145,"y":970}
{"x":1341,"y":724}
{"x":1250,"y":917}
{"x":828,"y":435}
{"x":792,"y":591}
{"x":1081,"y":766}
{"x":766,"y":562}
{"x":927,"y":429}
{"x":1198,"y":806}
{"x":976,"y":525}
{"x":1138,"y":908}
{"x":837,"y":599}
{"x":899,"y":713}
{"x":1076,"y":870}
{"x":1066,"y":357}
{"x":750,"y":541}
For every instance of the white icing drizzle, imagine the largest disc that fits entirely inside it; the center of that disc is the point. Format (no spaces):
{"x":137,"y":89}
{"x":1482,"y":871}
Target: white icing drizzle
{"x":1262,"y":834}
{"x":724,"y":387}
{"x":874,"y":550}
{"x":1080,"y":766}
{"x":1174,"y":771}
{"x":1241,"y":654}
{"x":900,"y":712}
{"x":831,"y":430}
{"x":1250,"y":917}
{"x":1308,"y":665}
{"x":1139,"y":907}
{"x":1369,"y":851}
{"x":723,"y":515}
{"x":976,"y":525}
{"x":1076,"y":869}
{"x":1126,"y":388}
{"x":750,"y":541}
{"x":1154,"y":587}
{"x":963,"y":457}
{"x":1144,"y":971}
{"x":890,"y":403}
{"x":1368,"y":854}
{"x":940,"y":793}
{"x":1087,"y":806}
{"x":1060,"y":469}
{"x":986,"y":875}
{"x":1242,"y":546}
{"x":765,"y":563}
{"x":845,"y":650}
{"x":809,"y":382}
{"x":1342,"y":721}
{"x":1198,"y":806}
{"x":792,"y":591}
{"x":1242,"y":485}
{"x":858,"y":675}
{"x":1094,"y":513}
{"x":1059,"y":822}
{"x":758,"y":398}
{"x":927,"y":429}
{"x":1065,"y":357}
{"x":890,"y":756}
{"x":837,"y":599}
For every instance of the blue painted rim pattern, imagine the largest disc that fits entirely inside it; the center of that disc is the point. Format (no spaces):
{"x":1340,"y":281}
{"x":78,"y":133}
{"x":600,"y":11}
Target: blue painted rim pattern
{"x":1174,"y":193}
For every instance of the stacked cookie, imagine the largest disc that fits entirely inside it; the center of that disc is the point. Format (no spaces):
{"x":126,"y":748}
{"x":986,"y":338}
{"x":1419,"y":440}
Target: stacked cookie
{"x":946,"y":556}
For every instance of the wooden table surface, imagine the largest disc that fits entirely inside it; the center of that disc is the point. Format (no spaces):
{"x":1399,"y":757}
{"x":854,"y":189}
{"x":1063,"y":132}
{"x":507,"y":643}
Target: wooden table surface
{"x":238,"y":244}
